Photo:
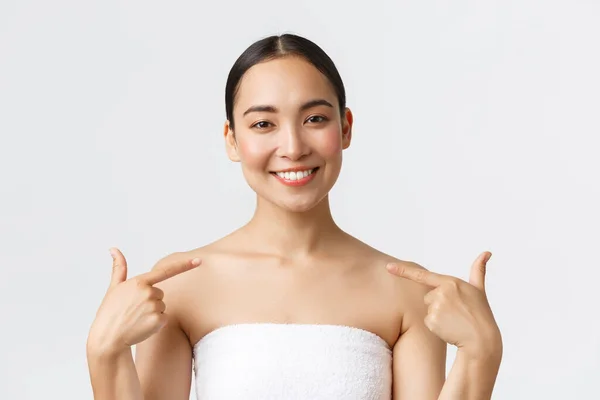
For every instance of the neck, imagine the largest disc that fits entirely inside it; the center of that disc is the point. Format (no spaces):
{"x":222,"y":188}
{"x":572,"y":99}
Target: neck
{"x":292,"y":234}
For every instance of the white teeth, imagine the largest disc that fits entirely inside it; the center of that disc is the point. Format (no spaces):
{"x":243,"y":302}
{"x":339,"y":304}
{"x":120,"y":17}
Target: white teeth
{"x":295,"y":175}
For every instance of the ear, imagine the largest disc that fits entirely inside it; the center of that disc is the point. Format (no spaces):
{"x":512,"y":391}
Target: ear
{"x":347,"y":128}
{"x":230,"y":143}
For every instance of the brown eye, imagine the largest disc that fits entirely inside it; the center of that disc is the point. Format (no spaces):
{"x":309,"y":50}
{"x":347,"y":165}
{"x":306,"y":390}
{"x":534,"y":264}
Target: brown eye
{"x":315,"y":119}
{"x":261,"y":125}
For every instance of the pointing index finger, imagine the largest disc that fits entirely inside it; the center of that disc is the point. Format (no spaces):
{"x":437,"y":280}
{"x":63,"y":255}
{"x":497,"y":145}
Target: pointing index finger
{"x":162,"y":273}
{"x":416,"y":273}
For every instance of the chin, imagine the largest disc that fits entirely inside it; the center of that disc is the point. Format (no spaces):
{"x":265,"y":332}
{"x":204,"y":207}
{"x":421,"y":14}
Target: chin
{"x":296,"y":200}
{"x":297,"y":205}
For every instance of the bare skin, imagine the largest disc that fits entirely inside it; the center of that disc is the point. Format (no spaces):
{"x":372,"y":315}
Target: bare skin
{"x":239,"y":282}
{"x":342,"y":281}
{"x":290,"y":264}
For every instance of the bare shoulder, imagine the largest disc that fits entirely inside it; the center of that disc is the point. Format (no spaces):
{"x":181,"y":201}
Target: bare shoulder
{"x":206,"y":254}
{"x":407,"y":295}
{"x":376,"y":259}
{"x":217,"y":262}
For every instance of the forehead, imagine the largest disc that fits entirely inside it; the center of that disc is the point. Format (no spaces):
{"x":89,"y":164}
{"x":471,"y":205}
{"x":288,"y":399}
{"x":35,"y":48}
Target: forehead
{"x":283,"y":82}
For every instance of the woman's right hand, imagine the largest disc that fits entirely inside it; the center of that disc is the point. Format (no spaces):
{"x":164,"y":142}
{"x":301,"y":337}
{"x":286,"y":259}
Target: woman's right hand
{"x":132,"y":309}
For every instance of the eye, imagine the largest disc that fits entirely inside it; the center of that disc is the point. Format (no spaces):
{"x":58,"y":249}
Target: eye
{"x":315,"y":119}
{"x":261,"y":125}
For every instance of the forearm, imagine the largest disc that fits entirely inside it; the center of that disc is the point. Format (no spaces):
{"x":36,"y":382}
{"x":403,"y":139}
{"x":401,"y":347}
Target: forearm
{"x":472,"y":379}
{"x":114,"y":376}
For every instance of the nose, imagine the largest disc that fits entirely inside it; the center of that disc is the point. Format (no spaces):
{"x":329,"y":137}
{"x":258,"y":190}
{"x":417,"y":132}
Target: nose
{"x":292,"y":144}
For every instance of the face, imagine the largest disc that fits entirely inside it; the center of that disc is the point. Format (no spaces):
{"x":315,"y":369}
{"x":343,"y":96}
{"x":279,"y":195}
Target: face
{"x":289,"y":134}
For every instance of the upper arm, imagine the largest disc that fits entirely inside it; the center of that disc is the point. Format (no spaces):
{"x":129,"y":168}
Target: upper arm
{"x":419,"y":356}
{"x":164,"y":360}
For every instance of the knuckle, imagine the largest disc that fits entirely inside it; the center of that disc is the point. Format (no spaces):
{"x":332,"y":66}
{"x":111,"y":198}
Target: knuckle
{"x":452,"y":284}
{"x":163,"y":272}
{"x":161,"y":306}
{"x":434,"y":317}
{"x":399,"y":268}
{"x":433,"y":310}
{"x":155,"y":318}
{"x":139,"y":282}
{"x":431,"y":297}
{"x":482,"y":268}
{"x":420,"y":275}
{"x":431,"y":320}
{"x":146,"y":291}
{"x":155,"y":307}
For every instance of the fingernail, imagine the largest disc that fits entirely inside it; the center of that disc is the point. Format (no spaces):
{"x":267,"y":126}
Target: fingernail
{"x":112,"y":254}
{"x":196,"y":261}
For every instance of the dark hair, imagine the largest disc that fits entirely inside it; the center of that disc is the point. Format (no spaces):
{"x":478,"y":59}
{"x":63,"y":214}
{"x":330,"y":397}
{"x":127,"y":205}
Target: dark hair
{"x":274,"y":47}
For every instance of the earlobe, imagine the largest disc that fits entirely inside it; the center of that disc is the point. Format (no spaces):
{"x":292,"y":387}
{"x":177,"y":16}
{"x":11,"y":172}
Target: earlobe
{"x":347,"y":129}
{"x":230,"y":143}
{"x":346,"y":137}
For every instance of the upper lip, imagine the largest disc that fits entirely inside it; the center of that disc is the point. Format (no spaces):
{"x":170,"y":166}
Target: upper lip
{"x":294,"y":169}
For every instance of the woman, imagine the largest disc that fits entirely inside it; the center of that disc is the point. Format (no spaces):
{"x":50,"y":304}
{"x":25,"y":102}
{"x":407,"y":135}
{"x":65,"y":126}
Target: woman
{"x":290,"y":306}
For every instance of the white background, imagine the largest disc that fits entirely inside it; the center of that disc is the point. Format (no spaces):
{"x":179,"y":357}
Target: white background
{"x":476,"y":128}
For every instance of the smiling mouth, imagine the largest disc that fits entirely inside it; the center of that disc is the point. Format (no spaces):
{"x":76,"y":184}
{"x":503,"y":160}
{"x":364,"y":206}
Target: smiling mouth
{"x":295,"y":175}
{"x":295,"y":178}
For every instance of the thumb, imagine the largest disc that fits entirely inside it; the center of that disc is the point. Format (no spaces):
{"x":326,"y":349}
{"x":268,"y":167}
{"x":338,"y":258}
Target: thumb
{"x":477,"y":277}
{"x":119,"y":267}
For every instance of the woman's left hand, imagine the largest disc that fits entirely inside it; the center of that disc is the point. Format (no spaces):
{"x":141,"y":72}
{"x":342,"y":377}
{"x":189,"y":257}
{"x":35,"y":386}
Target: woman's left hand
{"x":458,"y":312}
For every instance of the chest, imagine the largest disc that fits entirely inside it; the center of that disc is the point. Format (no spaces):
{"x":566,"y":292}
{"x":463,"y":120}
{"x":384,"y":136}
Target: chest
{"x":310,"y":295}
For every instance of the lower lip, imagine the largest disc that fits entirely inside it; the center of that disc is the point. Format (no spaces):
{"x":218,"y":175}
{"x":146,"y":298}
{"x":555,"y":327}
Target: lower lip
{"x":297,"y":182}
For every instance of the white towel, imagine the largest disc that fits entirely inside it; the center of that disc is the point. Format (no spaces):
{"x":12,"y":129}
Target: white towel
{"x":266,"y":361}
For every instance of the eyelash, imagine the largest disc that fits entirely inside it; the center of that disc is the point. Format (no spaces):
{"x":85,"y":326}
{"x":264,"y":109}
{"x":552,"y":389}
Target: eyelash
{"x":322,"y":119}
{"x":258,"y":123}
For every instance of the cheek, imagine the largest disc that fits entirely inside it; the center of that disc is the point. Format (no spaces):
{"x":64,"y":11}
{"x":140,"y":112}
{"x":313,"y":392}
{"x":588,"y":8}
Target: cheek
{"x":329,"y":142}
{"x":253,"y":152}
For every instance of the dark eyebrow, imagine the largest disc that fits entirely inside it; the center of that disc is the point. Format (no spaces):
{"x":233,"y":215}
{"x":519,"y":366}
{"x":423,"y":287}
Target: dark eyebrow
{"x":303,"y":107}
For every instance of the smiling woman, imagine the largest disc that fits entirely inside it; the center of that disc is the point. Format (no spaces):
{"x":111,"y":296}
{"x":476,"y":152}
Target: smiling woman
{"x":289,"y":306}
{"x":286,"y":112}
